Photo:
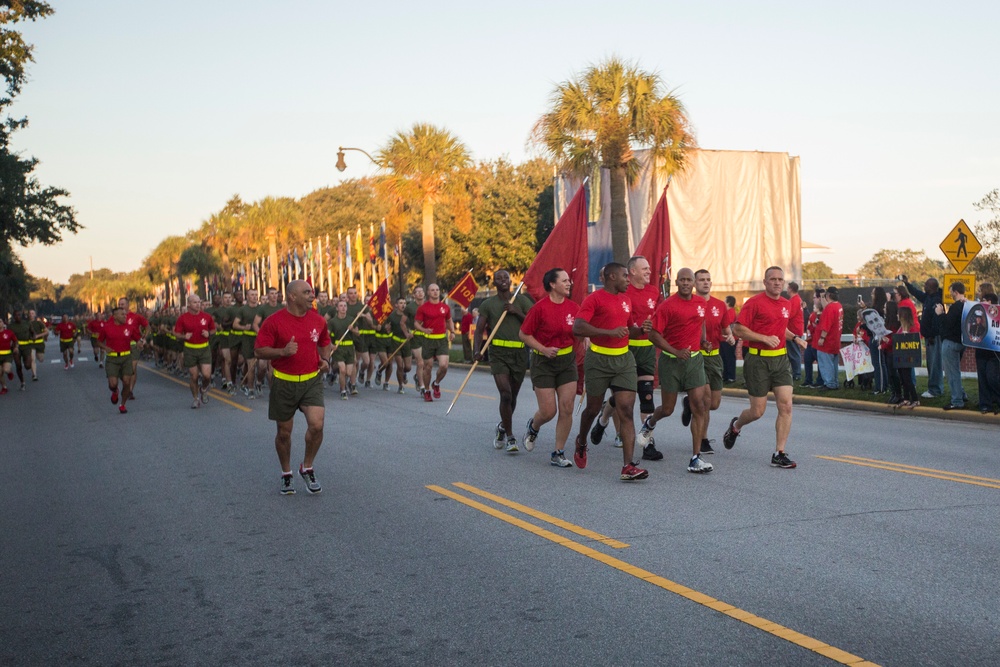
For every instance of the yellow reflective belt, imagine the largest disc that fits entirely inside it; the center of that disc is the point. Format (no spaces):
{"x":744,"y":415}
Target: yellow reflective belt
{"x":397,"y":338}
{"x":295,"y":378}
{"x":25,"y":342}
{"x":119,"y":354}
{"x":196,"y":346}
{"x":66,"y":340}
{"x":694,"y":353}
{"x":434,"y":336}
{"x":713,"y":353}
{"x":366,"y":331}
{"x":507,"y":343}
{"x":768,"y":353}
{"x":561,"y":353}
{"x":640,"y":342}
{"x":612,"y":351}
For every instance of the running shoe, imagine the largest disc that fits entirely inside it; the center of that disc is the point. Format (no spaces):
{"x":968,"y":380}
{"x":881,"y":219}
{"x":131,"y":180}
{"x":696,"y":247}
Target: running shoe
{"x":529,"y":436}
{"x":512,"y":445}
{"x":122,"y":409}
{"x":558,"y":459}
{"x":400,"y":390}
{"x":500,"y":437}
{"x":343,"y":395}
{"x":114,"y":396}
{"x":699,"y":466}
{"x":23,"y":387}
{"x":618,"y":441}
{"x":781,"y":460}
{"x":706,"y":447}
{"x":645,"y":434}
{"x":34,"y":378}
{"x":72,"y":364}
{"x":309,"y":477}
{"x":729,"y":439}
{"x":632,"y":472}
{"x":195,"y":404}
{"x":597,"y":433}
{"x":427,"y":397}
{"x":580,"y":455}
{"x":258,"y":389}
{"x":65,"y":367}
{"x":100,"y":365}
{"x":651,"y":453}
{"x":368,"y":384}
{"x":286,"y":488}
{"x":203,"y":395}
{"x":354,"y":390}
{"x":686,"y":412}
{"x":436,"y":388}
{"x":3,"y":390}
{"x":385,"y":386}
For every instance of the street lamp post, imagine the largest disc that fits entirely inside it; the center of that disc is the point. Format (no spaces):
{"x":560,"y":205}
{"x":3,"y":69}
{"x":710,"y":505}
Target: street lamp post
{"x":342,"y":165}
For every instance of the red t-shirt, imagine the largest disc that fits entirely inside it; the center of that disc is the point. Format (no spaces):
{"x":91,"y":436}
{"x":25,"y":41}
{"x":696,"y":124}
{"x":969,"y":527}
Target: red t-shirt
{"x":680,"y":321}
{"x":137,"y":320}
{"x":7,"y":339}
{"x":188,"y":322}
{"x":907,"y":303}
{"x":433,"y":316}
{"x":795,"y":324}
{"x":831,"y":325}
{"x":118,"y":337}
{"x":67,"y":331}
{"x":466,"y":323}
{"x":644,"y":302}
{"x":94,"y":326}
{"x":605,"y":310}
{"x":767,"y":317}
{"x":551,"y":323}
{"x":717,"y":318}
{"x":310,"y":333}
{"x":813,"y":324}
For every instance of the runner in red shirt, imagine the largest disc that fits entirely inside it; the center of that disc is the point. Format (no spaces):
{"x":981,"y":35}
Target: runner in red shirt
{"x":718,"y":330}
{"x":605,"y":318}
{"x":433,"y":318}
{"x":67,"y":337}
{"x":679,"y":332}
{"x":548,"y":331}
{"x":116,"y":339}
{"x":140,"y":322}
{"x":194,"y":327}
{"x":644,"y":298}
{"x":296,"y":342}
{"x":94,"y":327}
{"x":763,"y":323}
{"x":831,"y":326}
{"x":8,"y":341}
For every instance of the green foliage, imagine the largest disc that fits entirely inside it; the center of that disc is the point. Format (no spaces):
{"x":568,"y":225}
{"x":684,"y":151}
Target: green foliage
{"x":887,"y":264}
{"x":13,"y":281}
{"x":600,"y":117}
{"x":342,"y":208}
{"x":199,"y":261}
{"x":816,"y":271}
{"x":986,"y":265}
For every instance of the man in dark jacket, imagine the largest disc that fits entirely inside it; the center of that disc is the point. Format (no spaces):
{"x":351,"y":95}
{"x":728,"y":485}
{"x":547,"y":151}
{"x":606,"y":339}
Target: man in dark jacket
{"x":930,"y":330}
{"x":950,"y":326}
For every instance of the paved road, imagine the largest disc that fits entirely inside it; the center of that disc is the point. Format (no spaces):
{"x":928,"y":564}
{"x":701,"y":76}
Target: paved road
{"x":158,"y":537}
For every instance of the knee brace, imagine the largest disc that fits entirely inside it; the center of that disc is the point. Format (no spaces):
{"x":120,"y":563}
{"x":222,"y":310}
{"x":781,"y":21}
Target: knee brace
{"x":646,"y":397}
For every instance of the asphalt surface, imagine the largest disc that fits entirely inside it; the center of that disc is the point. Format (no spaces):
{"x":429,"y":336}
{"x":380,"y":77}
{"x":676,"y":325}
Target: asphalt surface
{"x":159,"y":538}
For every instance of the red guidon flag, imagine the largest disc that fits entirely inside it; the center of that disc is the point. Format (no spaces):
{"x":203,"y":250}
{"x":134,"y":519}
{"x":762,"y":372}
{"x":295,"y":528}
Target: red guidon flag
{"x":380,"y":303}
{"x":655,"y":244}
{"x":465,"y":291}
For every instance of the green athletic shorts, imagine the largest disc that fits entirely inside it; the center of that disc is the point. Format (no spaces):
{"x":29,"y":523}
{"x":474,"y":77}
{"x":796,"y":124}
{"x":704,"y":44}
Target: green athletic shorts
{"x":287,"y":397}
{"x":197,"y":356}
{"x":713,"y":371}
{"x":366,"y":343}
{"x":344,"y":353}
{"x":247,"y":345}
{"x":118,"y":367}
{"x":512,"y":361}
{"x":404,"y":351}
{"x":235,"y":340}
{"x":677,"y":375}
{"x":436,"y":347}
{"x":605,"y":371}
{"x":645,"y":359}
{"x":762,"y":374}
{"x":551,"y":373}
{"x":417,"y":342}
{"x":65,"y":346}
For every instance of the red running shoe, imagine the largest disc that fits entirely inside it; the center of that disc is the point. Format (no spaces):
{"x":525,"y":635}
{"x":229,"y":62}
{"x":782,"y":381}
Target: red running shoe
{"x":437,"y":389}
{"x":114,"y":396}
{"x":427,"y":397}
{"x":580,"y":454}
{"x":121,"y":409}
{"x":3,"y":391}
{"x":632,"y":472}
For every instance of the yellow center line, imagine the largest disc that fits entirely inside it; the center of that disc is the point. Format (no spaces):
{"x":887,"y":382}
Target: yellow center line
{"x":909,"y":467}
{"x":548,"y":518}
{"x":911,"y":470}
{"x":217,"y":395}
{"x":797,"y":638}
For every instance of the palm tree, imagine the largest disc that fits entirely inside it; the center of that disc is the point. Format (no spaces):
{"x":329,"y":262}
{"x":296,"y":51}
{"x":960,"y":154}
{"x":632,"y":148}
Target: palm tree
{"x":424,"y":167}
{"x":598,"y":119}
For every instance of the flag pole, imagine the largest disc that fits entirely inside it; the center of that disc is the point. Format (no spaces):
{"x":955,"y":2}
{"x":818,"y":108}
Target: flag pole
{"x":485,"y":344}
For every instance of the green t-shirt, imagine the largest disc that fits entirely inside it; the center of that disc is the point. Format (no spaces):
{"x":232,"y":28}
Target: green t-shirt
{"x":338,"y":327}
{"x":362,"y":324}
{"x":395,"y":322}
{"x":247,"y":315}
{"x":265,"y":310}
{"x":490,"y":311}
{"x":22,"y":330}
{"x":224,"y":316}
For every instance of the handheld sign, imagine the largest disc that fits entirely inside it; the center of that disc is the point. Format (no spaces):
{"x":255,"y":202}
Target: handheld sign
{"x":906,"y":350}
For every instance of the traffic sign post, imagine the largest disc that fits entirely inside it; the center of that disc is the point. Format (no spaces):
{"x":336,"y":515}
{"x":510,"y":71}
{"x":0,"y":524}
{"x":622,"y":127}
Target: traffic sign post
{"x":960,"y":246}
{"x":967,"y":279}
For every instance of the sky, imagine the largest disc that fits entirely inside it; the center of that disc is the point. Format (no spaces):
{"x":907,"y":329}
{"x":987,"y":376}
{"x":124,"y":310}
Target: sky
{"x":153,"y":114}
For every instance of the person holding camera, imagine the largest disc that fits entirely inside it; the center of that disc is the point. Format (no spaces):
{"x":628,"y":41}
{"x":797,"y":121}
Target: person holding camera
{"x":929,"y":298}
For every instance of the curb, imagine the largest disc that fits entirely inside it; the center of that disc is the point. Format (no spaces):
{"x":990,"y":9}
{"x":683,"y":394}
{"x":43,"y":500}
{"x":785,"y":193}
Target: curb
{"x":968,"y":416}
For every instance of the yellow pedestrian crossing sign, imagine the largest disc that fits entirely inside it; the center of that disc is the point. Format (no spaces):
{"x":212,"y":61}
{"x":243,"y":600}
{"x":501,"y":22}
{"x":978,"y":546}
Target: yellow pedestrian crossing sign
{"x":960,"y":246}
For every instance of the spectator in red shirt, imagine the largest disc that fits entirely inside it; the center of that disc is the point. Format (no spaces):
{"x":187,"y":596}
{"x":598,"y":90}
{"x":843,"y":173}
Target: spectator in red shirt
{"x":796,"y":324}
{"x":297,"y":343}
{"x":831,"y":326}
{"x":465,"y":328}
